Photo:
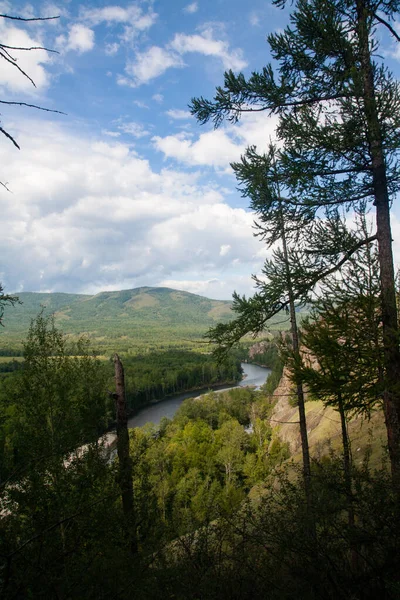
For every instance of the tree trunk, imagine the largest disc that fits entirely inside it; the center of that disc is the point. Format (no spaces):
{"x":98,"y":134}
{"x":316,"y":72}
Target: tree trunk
{"x":391,"y":391}
{"x":299,"y":386}
{"x":125,"y":463}
{"x":346,"y":457}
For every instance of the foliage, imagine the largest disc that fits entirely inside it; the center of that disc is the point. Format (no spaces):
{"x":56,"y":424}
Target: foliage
{"x":338,"y":107}
{"x":152,"y":376}
{"x":204,"y":460}
{"x":6,"y":300}
{"x":55,"y":492}
{"x":343,"y":338}
{"x":214,"y":517}
{"x":264,"y":550}
{"x":127,"y":321}
{"x":57,"y":402}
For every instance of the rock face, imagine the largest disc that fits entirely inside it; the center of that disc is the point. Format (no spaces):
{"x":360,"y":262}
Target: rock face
{"x":323,"y":426}
{"x":257,"y":348}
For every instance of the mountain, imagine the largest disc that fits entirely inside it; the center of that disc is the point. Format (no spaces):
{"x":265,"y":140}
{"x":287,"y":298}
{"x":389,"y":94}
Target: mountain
{"x":121,"y":320}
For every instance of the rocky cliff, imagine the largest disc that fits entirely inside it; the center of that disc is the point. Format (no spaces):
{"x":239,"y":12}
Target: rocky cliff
{"x":323,"y":427}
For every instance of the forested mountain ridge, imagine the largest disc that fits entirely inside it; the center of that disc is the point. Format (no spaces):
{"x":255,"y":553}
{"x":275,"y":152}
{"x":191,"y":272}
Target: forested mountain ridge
{"x":125,"y":320}
{"x":144,"y":315}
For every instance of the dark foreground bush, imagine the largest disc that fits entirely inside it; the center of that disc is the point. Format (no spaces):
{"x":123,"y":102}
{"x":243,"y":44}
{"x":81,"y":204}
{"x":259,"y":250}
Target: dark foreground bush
{"x":271,"y":549}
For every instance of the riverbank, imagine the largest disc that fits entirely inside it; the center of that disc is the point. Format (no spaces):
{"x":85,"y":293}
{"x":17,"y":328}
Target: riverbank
{"x":193,"y":390}
{"x":253,"y":375}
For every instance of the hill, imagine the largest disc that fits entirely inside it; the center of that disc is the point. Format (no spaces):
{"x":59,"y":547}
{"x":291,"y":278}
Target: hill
{"x":123,"y":320}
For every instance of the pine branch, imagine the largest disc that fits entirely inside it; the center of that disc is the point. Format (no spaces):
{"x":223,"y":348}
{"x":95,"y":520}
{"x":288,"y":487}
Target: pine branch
{"x":226,"y":335}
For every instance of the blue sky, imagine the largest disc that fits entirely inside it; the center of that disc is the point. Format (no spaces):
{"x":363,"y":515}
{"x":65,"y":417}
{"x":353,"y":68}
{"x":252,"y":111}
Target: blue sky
{"x":127,"y":189}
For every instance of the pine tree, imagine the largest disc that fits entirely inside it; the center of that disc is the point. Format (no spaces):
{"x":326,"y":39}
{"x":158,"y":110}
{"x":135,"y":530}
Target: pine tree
{"x":339,"y":110}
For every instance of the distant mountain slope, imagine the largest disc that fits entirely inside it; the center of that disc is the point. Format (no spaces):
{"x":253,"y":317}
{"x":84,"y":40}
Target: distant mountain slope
{"x":139,"y":317}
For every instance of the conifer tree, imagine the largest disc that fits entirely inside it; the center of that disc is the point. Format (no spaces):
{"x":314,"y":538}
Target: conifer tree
{"x":339,"y":110}
{"x":342,"y":350}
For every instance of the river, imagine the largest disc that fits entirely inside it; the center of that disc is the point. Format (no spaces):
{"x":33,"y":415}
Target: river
{"x":153,"y":413}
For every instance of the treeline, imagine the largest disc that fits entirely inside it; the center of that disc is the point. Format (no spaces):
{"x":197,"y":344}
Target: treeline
{"x":10,"y":366}
{"x":153,"y":376}
{"x":8,"y":351}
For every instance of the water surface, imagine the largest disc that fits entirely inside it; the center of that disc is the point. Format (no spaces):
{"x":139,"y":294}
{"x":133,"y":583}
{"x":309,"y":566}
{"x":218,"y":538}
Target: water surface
{"x":153,"y":413}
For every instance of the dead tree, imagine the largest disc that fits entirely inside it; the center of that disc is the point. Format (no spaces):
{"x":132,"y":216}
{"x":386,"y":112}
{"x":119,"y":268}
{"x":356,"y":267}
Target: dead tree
{"x":124,"y":460}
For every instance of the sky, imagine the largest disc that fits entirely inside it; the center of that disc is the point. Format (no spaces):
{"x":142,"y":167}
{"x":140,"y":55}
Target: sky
{"x":126,"y":189}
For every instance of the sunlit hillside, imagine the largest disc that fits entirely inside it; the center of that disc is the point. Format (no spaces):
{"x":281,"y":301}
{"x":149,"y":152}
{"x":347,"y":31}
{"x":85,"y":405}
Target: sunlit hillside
{"x":125,"y":320}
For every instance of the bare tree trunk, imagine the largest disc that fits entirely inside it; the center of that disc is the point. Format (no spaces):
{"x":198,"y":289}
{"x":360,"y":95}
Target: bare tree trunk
{"x":346,"y":457}
{"x":354,"y":549}
{"x":125,"y":463}
{"x":299,"y":386}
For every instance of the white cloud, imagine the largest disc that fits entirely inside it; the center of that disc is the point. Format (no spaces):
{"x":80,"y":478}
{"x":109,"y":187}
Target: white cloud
{"x":159,"y":98}
{"x":214,"y":148}
{"x":113,"y":134}
{"x":208,"y":46}
{"x":89,"y":215}
{"x":191,"y":8}
{"x":150,"y":64}
{"x":79,"y":38}
{"x":133,"y":19}
{"x":33,"y":63}
{"x":137,"y":130}
{"x":156,"y":61}
{"x":140,"y":104}
{"x":178,"y":114}
{"x":219,"y":147}
{"x":132,"y":14}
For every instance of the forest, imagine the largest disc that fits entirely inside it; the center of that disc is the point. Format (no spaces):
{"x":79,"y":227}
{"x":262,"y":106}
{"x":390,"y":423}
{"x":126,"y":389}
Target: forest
{"x":220,"y":502}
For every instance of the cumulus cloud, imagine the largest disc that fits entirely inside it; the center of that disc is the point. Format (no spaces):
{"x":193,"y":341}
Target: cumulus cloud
{"x":213,"y":148}
{"x":205,"y":44}
{"x":133,"y":19}
{"x":113,"y":134}
{"x":111,"y":49}
{"x":219,"y":147}
{"x":80,"y":38}
{"x":88,"y":215}
{"x":155,"y":61}
{"x":148,"y":65}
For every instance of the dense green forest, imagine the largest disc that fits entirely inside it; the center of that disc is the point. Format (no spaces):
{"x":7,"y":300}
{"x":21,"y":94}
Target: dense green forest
{"x":125,"y":321}
{"x":153,"y":376}
{"x":216,"y":513}
{"x":217,"y":503}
